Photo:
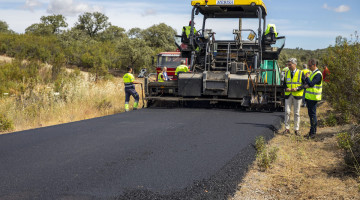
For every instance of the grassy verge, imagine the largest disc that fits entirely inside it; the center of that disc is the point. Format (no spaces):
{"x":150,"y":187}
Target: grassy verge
{"x":76,"y":96}
{"x":304,"y":169}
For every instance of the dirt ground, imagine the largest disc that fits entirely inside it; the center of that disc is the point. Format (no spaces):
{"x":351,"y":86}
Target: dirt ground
{"x":304,"y":169}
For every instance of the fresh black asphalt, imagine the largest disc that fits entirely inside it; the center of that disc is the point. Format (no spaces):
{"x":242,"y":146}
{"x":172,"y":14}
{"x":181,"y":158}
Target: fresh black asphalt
{"x":144,"y":154}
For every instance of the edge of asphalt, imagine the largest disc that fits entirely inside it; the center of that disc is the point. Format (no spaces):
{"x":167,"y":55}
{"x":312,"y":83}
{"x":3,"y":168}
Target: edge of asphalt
{"x":222,"y":185}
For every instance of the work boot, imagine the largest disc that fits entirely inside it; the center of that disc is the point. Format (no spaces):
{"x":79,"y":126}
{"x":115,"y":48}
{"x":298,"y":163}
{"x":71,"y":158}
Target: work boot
{"x":287,"y":131}
{"x":135,"y":106}
{"x":309,"y":136}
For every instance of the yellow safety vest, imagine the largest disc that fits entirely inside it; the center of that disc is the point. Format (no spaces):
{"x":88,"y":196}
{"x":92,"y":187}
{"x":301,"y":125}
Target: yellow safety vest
{"x":128,"y":78}
{"x":314,"y":93}
{"x":294,"y":83}
{"x":181,"y":68}
{"x":268,"y":29}
{"x":161,"y":78}
{"x":285,"y":69}
{"x":187,"y":30}
{"x":305,"y":71}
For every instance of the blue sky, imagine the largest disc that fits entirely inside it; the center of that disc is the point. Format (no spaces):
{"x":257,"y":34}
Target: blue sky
{"x":308,"y":24}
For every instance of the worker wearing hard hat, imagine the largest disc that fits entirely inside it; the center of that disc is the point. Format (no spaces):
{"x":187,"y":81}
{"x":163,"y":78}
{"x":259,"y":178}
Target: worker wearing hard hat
{"x":181,"y":68}
{"x":294,"y":90}
{"x":271,"y":28}
{"x":313,"y":95}
{"x":129,"y":81}
{"x":187,"y":30}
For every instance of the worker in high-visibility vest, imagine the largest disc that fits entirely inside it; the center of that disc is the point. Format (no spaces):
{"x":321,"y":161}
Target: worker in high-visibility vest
{"x":181,"y":68}
{"x":305,"y":71}
{"x":129,"y":81}
{"x":187,"y":30}
{"x":271,"y":28}
{"x":162,"y":76}
{"x":294,"y":90}
{"x":313,"y":95}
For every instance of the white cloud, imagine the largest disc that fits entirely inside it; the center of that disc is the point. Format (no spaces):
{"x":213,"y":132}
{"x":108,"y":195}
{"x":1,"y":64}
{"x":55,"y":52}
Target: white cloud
{"x":32,"y":4}
{"x":149,"y":11}
{"x":340,"y":9}
{"x":70,"y":7}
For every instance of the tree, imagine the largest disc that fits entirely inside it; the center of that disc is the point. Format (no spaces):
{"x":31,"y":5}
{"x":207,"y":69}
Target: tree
{"x":55,"y":22}
{"x":135,"y":33}
{"x":160,"y":37}
{"x":49,"y":25}
{"x":92,"y":23}
{"x":135,"y":52}
{"x":38,"y":29}
{"x":113,"y":33}
{"x":4,"y":27}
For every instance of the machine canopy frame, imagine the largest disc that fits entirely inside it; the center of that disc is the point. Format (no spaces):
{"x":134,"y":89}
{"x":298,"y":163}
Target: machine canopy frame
{"x":230,"y":8}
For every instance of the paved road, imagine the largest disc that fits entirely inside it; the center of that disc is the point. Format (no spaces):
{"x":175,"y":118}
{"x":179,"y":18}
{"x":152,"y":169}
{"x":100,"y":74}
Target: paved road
{"x":144,"y":154}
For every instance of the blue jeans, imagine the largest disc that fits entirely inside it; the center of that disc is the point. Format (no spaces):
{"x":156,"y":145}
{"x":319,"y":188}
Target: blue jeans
{"x":311,"y":105}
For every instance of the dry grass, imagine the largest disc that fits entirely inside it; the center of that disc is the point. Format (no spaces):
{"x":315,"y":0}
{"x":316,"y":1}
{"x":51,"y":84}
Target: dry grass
{"x":304,"y":169}
{"x":81,"y":98}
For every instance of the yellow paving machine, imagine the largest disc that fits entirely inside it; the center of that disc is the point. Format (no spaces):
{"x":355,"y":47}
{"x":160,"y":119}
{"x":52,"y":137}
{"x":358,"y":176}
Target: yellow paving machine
{"x":240,"y":72}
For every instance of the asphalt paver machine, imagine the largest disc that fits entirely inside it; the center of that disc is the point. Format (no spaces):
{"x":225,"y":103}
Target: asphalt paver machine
{"x":240,"y":72}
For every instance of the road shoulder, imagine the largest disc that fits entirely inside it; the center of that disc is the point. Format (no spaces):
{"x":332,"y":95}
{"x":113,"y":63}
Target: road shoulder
{"x":304,"y":169}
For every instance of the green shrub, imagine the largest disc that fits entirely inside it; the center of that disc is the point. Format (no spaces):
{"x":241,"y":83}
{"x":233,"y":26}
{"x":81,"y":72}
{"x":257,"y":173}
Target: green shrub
{"x":331,"y":120}
{"x":6,"y":124}
{"x":344,"y":140}
{"x":343,"y":61}
{"x":260,"y":144}
{"x":265,"y":156}
{"x":350,"y":142}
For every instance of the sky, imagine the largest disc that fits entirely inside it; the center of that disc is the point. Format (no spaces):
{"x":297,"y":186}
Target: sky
{"x":307,"y":24}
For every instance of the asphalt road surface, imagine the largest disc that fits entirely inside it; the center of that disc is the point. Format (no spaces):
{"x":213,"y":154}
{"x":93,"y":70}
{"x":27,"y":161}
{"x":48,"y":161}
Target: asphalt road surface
{"x":144,"y":154}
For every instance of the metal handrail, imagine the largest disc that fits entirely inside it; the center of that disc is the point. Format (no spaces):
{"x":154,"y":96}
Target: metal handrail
{"x":206,"y":55}
{"x":228,"y":57}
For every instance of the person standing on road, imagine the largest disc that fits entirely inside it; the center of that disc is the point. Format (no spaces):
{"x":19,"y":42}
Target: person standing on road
{"x":129,"y":81}
{"x":294,"y":90}
{"x":162,"y":77}
{"x":305,"y":71}
{"x":181,"y":68}
{"x":313,"y":95}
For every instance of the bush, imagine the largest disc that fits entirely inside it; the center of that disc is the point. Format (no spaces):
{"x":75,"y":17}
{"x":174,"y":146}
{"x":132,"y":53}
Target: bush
{"x":331,"y":120}
{"x":5,"y":123}
{"x":342,"y":91}
{"x":265,"y":156}
{"x":344,"y":140}
{"x":350,"y":142}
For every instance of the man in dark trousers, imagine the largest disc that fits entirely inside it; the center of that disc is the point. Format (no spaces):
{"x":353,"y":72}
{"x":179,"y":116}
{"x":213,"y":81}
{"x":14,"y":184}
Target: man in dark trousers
{"x":313,"y":95}
{"x":129,"y":81}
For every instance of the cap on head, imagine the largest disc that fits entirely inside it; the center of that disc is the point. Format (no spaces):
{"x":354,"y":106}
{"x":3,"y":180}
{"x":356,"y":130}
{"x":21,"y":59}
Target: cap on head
{"x":293,"y":60}
{"x":183,"y":62}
